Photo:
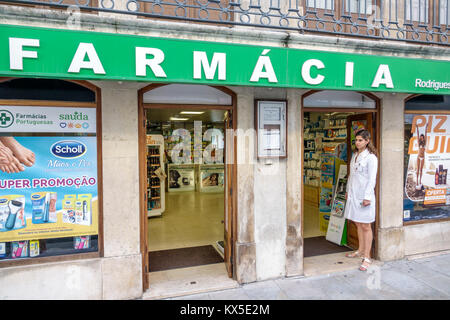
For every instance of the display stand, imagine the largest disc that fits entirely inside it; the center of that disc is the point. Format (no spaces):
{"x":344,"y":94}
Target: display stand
{"x":336,"y":226}
{"x":155,"y":179}
{"x":211,"y":178}
{"x":181,"y":177}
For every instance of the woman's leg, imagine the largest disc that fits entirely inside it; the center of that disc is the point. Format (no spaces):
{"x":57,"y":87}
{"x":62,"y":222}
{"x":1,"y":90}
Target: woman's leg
{"x":417,"y":171}
{"x":360,"y":238}
{"x":367,"y":238}
{"x":422,"y":162}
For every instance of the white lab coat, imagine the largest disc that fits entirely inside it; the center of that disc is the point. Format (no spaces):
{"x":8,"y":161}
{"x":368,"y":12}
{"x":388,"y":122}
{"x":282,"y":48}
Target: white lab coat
{"x":361,"y":186}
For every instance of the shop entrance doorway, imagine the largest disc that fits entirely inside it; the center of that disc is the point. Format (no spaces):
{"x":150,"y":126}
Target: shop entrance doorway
{"x":187,"y":177}
{"x":330,"y":120}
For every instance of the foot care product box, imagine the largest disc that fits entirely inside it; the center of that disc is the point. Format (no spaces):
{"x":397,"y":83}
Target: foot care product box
{"x":34,"y":248}
{"x":84,"y":209}
{"x":68,"y":208}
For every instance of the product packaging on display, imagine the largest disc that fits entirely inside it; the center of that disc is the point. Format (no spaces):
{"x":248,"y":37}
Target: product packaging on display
{"x":82,"y":242}
{"x":43,"y":207}
{"x":34,"y":248}
{"x":12,"y":215}
{"x":19,"y":249}
{"x":77,"y":209}
{"x":2,"y":250}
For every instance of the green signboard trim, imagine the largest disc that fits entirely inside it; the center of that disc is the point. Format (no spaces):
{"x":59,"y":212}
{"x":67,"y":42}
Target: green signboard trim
{"x":117,"y":56}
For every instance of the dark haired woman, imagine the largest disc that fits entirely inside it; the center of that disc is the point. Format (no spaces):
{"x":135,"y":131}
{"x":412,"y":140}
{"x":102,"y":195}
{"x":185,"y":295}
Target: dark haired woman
{"x":360,"y":206}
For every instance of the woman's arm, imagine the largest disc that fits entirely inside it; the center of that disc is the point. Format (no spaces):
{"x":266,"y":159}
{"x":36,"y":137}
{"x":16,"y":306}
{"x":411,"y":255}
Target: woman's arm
{"x":372,"y":167}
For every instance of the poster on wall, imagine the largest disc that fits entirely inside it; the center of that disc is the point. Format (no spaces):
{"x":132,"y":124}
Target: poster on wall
{"x":212,"y":179}
{"x":181,"y":178}
{"x":48,"y":185}
{"x":427,"y":161}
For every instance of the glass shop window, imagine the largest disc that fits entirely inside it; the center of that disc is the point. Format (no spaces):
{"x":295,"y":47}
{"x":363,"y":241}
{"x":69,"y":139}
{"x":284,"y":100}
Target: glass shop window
{"x":48,"y":169}
{"x":426,"y":193}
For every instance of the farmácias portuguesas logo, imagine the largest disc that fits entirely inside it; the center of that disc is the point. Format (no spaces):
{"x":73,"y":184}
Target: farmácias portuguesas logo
{"x":6,"y":119}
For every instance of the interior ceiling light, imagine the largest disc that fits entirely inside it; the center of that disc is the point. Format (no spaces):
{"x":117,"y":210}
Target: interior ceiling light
{"x":178,"y":119}
{"x":192,"y":112}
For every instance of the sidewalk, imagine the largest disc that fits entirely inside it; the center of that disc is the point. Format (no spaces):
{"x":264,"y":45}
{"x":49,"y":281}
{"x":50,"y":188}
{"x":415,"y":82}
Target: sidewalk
{"x":411,"y":279}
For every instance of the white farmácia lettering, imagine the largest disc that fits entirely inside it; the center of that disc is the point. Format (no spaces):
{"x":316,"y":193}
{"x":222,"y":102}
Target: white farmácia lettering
{"x":262,"y":70}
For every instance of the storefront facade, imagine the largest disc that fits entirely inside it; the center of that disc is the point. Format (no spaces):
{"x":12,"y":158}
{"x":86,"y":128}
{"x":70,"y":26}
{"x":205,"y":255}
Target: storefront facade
{"x":266,"y":218}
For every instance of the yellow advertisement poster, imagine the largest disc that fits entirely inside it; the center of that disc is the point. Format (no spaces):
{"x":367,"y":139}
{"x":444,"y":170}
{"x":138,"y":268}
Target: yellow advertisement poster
{"x":56,"y":195}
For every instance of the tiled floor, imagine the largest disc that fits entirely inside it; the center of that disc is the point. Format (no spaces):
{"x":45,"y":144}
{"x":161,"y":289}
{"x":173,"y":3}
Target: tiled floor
{"x":191,"y":219}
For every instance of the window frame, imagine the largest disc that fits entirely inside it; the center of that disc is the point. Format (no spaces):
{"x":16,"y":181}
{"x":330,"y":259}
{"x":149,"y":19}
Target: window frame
{"x":5,"y":263}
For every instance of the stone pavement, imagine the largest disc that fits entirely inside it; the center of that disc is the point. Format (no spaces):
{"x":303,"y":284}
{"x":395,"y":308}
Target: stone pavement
{"x":422,"y":278}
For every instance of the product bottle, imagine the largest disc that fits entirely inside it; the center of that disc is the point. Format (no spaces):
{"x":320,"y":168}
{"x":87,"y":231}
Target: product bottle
{"x":436,"y":177}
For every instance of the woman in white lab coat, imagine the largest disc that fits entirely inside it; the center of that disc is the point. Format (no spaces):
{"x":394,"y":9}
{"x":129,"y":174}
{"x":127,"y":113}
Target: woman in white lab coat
{"x":360,"y":205}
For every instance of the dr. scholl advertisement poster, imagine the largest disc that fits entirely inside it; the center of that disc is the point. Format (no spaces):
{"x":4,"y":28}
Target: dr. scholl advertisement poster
{"x":48,"y":185}
{"x":426,"y":180}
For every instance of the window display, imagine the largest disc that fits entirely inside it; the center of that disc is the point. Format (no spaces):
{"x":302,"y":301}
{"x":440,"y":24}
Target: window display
{"x":49,"y":188}
{"x":426,"y":188}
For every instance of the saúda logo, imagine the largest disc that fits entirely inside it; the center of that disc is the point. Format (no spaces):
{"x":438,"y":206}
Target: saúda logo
{"x":68,"y":149}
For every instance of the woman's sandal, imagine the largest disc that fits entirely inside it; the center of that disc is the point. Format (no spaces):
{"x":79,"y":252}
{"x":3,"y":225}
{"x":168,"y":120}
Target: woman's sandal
{"x":355,"y":254}
{"x":363,"y":267}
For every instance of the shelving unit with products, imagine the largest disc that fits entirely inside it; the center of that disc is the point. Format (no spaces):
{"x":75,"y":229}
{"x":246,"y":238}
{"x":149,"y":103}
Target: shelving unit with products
{"x":155,"y":185}
{"x":321,"y":136}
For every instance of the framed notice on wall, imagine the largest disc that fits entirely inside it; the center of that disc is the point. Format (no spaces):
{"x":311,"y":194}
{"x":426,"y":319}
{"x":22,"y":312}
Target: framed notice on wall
{"x":270,"y":123}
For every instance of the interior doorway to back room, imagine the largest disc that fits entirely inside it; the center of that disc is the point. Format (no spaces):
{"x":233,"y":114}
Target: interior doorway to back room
{"x":330,"y":120}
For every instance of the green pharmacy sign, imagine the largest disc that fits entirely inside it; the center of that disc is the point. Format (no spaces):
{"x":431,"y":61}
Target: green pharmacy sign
{"x":68,"y":54}
{"x":6,"y":119}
